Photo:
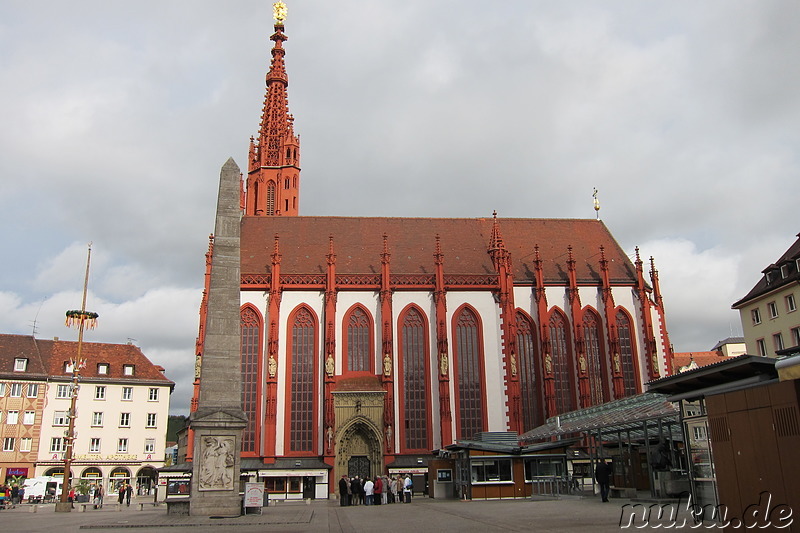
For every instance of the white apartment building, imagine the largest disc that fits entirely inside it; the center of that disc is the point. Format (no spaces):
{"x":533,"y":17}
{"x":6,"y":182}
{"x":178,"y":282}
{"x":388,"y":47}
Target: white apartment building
{"x":121,"y":414}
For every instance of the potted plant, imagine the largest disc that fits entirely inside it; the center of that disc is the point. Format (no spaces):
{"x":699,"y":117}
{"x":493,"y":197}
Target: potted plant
{"x":82,"y":488}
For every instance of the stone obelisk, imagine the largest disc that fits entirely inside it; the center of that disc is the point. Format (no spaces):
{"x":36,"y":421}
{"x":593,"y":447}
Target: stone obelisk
{"x":219,"y":419}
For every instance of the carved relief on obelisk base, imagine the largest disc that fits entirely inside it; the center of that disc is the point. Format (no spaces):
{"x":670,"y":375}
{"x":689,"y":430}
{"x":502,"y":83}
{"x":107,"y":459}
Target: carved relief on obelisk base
{"x":217,"y":462}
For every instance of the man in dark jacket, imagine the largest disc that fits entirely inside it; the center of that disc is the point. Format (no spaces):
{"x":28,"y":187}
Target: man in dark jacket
{"x":602,"y":474}
{"x":344,"y":488}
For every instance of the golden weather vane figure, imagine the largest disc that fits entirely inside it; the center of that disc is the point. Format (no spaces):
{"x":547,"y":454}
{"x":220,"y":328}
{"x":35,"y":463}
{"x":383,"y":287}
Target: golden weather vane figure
{"x":596,"y":203}
{"x":279,"y":12}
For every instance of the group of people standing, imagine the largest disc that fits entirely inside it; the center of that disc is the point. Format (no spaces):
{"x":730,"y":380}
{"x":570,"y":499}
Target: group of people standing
{"x":10,"y":496}
{"x":375,"y":491}
{"x":125,"y":492}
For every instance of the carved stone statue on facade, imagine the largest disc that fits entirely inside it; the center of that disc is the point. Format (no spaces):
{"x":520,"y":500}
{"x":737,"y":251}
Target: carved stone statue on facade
{"x":513,"y":365}
{"x":548,"y":364}
{"x":330,"y":366}
{"x":329,"y":436}
{"x":218,"y":460}
{"x":582,"y":363}
{"x":389,"y":435}
{"x":387,"y":365}
{"x":617,"y":366}
{"x":444,"y":364}
{"x":272,"y":367}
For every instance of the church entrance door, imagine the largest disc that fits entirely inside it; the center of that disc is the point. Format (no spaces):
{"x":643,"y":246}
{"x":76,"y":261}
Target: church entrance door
{"x":358,"y":465}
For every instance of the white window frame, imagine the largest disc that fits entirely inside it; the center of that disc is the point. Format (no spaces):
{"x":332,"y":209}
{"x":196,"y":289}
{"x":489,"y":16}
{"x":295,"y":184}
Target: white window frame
{"x":60,"y":418}
{"x":94,"y":445}
{"x":62,"y":391}
{"x":777,"y":340}
{"x":2,"y":389}
{"x":772,"y":307}
{"x":152,"y":394}
{"x":791,"y":304}
{"x":8,"y":444}
{"x":127,"y":394}
{"x":58,"y":445}
{"x":122,"y":445}
{"x":150,"y":446}
{"x":97,"y":419}
{"x":15,"y":390}
{"x":784,"y":271}
{"x":796,"y":335}
{"x":25,"y":444}
{"x":20,"y":364}
{"x":152,"y":419}
{"x":29,"y":418}
{"x":128,"y":370}
{"x":33,"y":390}
{"x":761,"y":347}
{"x":99,"y":392}
{"x":102,"y":369}
{"x":124,"y":420}
{"x":755,"y":314}
{"x":12,"y":417}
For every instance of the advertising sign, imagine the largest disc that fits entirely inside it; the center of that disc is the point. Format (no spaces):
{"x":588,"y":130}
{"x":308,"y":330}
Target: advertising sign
{"x":253,"y":494}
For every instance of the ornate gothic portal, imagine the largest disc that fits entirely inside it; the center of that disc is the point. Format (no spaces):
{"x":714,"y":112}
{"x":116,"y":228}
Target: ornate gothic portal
{"x":359,"y":446}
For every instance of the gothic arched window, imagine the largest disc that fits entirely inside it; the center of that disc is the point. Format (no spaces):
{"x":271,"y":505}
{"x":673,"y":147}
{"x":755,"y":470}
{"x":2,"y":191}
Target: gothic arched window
{"x":302,"y":369}
{"x":414,"y":367}
{"x":627,"y":354}
{"x":528,"y":359}
{"x":561,"y":350}
{"x":359,"y":341}
{"x":251,"y":349}
{"x":469,"y":375}
{"x":593,"y":344}
{"x":271,"y":198}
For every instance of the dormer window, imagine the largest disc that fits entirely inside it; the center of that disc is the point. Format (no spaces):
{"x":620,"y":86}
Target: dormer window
{"x":784,"y":271}
{"x":20,"y":364}
{"x":68,"y":367}
{"x":102,"y":369}
{"x":769,"y":277}
{"x":127,"y":370}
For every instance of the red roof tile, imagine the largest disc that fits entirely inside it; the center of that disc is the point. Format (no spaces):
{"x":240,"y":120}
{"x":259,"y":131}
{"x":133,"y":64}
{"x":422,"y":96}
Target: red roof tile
{"x":358,"y":243}
{"x":682,"y":359}
{"x":52,"y":355}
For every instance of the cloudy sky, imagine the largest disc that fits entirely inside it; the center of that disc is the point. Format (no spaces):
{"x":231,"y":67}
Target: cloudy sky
{"x":117,"y":116}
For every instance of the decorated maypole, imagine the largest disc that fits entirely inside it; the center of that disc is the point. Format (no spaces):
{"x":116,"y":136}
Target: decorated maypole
{"x":81,"y":319}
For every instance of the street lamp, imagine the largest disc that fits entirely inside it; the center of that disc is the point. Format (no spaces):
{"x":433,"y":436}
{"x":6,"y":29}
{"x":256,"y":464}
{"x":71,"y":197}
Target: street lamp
{"x":81,"y":319}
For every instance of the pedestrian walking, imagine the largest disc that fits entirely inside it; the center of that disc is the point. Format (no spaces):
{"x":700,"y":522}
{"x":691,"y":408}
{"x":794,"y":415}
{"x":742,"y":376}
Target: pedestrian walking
{"x":121,"y":493}
{"x":128,"y":494}
{"x":602,"y":474}
{"x":408,"y":486}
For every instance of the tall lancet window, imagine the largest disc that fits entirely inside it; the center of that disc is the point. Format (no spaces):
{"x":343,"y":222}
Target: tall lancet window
{"x":627,"y":353}
{"x":302,"y":370}
{"x":414,"y":356}
{"x":271,"y":198}
{"x":562,"y":363}
{"x":593,"y":344}
{"x":527,"y":361}
{"x":359,"y":341}
{"x":469,"y":375}
{"x":251,"y":348}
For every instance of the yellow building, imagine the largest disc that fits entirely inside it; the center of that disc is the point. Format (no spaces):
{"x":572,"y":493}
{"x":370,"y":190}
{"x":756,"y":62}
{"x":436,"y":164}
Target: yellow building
{"x":769,"y":315}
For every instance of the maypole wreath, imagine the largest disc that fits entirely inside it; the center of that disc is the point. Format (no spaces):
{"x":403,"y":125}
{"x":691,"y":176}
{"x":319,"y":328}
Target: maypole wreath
{"x":76,"y":316}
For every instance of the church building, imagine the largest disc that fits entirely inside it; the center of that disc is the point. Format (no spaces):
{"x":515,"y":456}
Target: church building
{"x":369,"y":342}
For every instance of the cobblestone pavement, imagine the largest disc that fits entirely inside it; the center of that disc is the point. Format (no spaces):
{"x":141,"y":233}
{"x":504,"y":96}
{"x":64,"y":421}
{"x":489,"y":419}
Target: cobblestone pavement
{"x":421,"y":515}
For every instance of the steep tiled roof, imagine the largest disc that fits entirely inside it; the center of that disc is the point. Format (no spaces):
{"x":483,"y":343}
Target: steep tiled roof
{"x":52,"y":354}
{"x":788,"y":259}
{"x":21,"y":346}
{"x":358,"y":243}
{"x":683,"y":359}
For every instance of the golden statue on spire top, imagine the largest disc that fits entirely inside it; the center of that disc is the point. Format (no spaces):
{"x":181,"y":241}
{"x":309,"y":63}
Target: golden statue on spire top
{"x":279,"y":12}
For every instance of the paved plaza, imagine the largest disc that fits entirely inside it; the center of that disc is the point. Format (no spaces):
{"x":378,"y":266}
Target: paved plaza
{"x":423,"y":514}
